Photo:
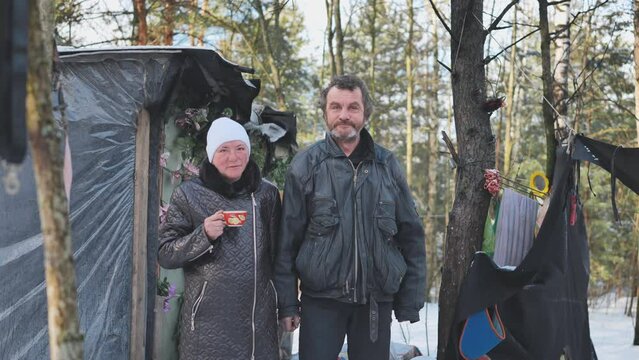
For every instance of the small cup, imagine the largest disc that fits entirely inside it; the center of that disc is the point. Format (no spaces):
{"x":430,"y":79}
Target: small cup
{"x":234,"y":218}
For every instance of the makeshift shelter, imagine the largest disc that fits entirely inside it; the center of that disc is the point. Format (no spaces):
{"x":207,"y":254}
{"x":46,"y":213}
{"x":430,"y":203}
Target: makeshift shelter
{"x":114,"y":106}
{"x":539,"y":310}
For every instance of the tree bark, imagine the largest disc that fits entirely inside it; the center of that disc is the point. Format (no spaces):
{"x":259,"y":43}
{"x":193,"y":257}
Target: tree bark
{"x":339,"y":38}
{"x":562,"y":62}
{"x":432,"y":259}
{"x":202,"y":29}
{"x":548,"y":114}
{"x":271,"y":55}
{"x":169,"y":22}
{"x":410,"y":86}
{"x":331,"y":35}
{"x":372,"y":124}
{"x":139,"y":15}
{"x":636,"y":228}
{"x":476,"y":153}
{"x":510,"y":99}
{"x":587,"y":44}
{"x":65,"y":339}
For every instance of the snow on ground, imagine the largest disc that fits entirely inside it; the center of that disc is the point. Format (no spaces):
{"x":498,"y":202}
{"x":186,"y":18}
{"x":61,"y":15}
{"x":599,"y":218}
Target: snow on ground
{"x":611,"y":331}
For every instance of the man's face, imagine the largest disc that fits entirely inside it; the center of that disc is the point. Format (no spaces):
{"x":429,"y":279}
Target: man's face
{"x":344,"y":113}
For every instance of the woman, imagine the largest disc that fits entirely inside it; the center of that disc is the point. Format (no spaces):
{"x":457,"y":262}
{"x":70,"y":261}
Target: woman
{"x":229,"y":309}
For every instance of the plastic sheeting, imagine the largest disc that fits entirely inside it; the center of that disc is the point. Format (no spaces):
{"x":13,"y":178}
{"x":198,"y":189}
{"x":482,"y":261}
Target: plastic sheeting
{"x":104,"y":92}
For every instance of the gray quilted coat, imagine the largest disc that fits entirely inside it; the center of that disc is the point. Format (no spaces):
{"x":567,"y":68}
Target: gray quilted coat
{"x":229,"y":309}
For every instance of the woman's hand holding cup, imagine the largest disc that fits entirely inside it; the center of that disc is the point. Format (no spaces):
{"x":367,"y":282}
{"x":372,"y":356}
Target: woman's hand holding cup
{"x":214,"y":225}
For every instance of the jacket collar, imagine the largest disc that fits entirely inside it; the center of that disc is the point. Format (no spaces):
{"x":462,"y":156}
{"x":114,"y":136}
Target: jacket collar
{"x":366,"y":146}
{"x":248,"y":183}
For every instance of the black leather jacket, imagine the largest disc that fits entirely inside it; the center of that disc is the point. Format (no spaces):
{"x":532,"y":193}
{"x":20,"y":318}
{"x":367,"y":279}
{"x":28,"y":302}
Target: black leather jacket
{"x":350,"y":233}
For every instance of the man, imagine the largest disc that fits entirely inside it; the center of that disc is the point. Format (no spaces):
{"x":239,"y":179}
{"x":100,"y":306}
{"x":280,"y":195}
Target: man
{"x":350,"y":233}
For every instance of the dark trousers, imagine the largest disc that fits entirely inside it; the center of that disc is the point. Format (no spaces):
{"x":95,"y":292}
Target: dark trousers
{"x":325,"y":322}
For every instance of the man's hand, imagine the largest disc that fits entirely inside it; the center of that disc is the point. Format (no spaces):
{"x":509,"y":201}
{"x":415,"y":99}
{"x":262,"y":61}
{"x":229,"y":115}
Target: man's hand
{"x":214,"y":225}
{"x":290,"y":323}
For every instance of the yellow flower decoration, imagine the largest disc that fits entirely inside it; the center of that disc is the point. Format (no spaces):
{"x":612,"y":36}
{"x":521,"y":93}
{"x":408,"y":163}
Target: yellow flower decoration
{"x":539,"y":183}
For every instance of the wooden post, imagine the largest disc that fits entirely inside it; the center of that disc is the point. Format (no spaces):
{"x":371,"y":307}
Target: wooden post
{"x":140,"y":218}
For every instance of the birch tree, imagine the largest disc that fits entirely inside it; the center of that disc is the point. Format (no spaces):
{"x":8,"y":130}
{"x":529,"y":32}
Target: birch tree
{"x":562,"y":61}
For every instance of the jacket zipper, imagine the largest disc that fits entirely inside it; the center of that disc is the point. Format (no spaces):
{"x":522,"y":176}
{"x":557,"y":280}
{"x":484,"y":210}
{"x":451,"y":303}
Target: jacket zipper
{"x":356,"y":256}
{"x":254,"y":276}
{"x":208,"y":250}
{"x":274,"y":291}
{"x":196,"y":306}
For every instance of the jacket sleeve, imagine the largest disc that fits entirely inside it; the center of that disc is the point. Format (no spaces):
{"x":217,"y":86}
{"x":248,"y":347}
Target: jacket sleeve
{"x":410,"y":236}
{"x":181,"y":241}
{"x":274,"y":224}
{"x":292,"y":228}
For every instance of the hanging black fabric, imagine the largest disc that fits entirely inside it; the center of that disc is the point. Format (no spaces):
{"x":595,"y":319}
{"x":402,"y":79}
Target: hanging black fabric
{"x":14,"y":18}
{"x":620,"y":162}
{"x":626,"y":160}
{"x":543,"y":302}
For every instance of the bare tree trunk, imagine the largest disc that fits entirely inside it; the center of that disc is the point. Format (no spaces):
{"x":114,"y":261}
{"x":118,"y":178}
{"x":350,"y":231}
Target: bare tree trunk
{"x":510,"y":99}
{"x":65,"y":340}
{"x":169,"y":22}
{"x":498,"y":142}
{"x":266,"y":32}
{"x":139,"y":15}
{"x":193,"y":28}
{"x":549,"y":118}
{"x":476,"y":152}
{"x":410,"y":80}
{"x":430,"y":230}
{"x":330,"y":35}
{"x":202,"y":30}
{"x":372,"y":123}
{"x":587,"y":43}
{"x":339,"y":38}
{"x":636,"y":228}
{"x":516,"y":126}
{"x":562,"y":62}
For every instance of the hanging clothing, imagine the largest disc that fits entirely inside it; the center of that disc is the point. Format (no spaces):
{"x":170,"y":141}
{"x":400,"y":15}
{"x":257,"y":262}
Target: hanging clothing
{"x":542,"y":303}
{"x":515,"y":228}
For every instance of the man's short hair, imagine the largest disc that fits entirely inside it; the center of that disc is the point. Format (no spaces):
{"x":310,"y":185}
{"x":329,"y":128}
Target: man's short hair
{"x":348,"y":82}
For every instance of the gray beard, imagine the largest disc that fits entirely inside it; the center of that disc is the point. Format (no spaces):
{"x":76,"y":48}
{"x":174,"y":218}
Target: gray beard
{"x":349,"y":137}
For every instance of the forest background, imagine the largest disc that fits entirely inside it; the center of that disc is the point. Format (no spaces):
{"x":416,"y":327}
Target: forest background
{"x":402,"y":49}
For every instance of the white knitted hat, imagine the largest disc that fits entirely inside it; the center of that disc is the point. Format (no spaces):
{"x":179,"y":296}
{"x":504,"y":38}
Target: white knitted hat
{"x":222,"y":130}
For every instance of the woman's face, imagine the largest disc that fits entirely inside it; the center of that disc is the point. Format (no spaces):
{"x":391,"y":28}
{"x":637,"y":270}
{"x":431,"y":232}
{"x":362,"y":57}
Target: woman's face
{"x":231,"y":159}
